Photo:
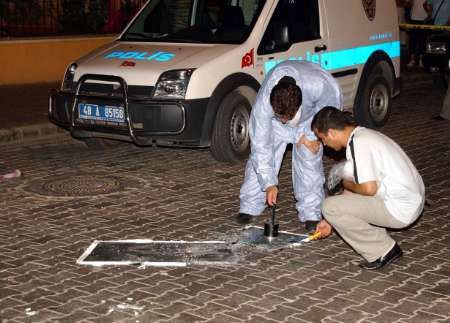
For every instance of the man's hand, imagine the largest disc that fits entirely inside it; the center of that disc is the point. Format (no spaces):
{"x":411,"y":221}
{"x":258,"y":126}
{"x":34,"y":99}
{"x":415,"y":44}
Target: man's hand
{"x":312,"y":145}
{"x":271,"y":195}
{"x":324,"y":228}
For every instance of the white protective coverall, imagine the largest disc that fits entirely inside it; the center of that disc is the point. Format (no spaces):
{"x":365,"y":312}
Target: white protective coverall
{"x":269,"y":138}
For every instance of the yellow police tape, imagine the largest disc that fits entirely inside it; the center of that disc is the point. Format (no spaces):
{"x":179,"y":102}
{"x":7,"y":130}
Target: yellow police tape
{"x":429,"y":27}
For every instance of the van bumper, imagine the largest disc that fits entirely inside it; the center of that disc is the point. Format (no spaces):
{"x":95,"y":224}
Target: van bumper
{"x":152,"y":122}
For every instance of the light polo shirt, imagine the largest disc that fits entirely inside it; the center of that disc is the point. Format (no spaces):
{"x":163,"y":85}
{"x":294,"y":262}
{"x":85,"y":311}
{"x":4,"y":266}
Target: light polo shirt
{"x":417,"y":11}
{"x":376,"y":157}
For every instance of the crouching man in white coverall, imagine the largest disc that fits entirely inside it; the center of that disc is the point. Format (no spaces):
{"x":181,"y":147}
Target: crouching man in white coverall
{"x":291,"y":94}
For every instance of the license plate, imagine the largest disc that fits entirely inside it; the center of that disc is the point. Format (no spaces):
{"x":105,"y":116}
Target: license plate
{"x":101,"y":112}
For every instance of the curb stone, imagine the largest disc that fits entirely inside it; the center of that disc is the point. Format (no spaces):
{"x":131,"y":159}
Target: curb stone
{"x":31,"y":132}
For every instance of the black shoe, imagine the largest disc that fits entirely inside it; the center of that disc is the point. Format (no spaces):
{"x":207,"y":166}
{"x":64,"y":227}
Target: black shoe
{"x":244,"y":218}
{"x":393,"y":254}
{"x":310,"y":226}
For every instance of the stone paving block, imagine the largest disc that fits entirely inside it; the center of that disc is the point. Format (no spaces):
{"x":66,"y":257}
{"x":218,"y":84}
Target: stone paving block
{"x":344,"y":284}
{"x":407,"y":307}
{"x":442,"y":288}
{"x":183,"y":317}
{"x":312,"y":283}
{"x":188,"y":279}
{"x":237,"y":299}
{"x":227,"y":289}
{"x":259,"y":319}
{"x":194,"y":288}
{"x":10,"y":303}
{"x":304,"y":302}
{"x":174,"y":309}
{"x":358,"y":294}
{"x":389,"y":316}
{"x":281,"y":313}
{"x":67,"y":295}
{"x":426,"y":297}
{"x":442,"y":270}
{"x":202,"y":299}
{"x":161,"y":287}
{"x":351,"y":315}
{"x":325,"y":293}
{"x":441,"y":308}
{"x":291,"y":293}
{"x":38,"y":304}
{"x":338,"y":304}
{"x":78,"y":315}
{"x":45,"y":315}
{"x":102,"y":309}
{"x":267,"y":302}
{"x":421,"y":317}
{"x":209,"y":310}
{"x":100,"y":296}
{"x":379,"y":286}
{"x":244,"y":312}
{"x":392,"y":296}
{"x":220,"y":317}
{"x":314,"y":314}
{"x":114,"y":316}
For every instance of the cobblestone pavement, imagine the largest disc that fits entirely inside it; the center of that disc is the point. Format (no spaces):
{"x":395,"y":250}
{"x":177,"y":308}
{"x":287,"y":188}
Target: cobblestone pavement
{"x":183,"y":194}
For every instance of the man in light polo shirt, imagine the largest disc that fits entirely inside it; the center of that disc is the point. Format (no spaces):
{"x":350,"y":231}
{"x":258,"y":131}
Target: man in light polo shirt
{"x":384,"y":189}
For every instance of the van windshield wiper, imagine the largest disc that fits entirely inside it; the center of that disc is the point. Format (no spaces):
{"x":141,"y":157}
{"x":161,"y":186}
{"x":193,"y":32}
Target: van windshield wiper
{"x":142,"y":36}
{"x":183,"y":40}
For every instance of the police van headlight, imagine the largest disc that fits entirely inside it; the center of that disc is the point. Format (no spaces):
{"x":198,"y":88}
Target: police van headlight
{"x":173,"y":84}
{"x":437,"y":48}
{"x":67,"y":83}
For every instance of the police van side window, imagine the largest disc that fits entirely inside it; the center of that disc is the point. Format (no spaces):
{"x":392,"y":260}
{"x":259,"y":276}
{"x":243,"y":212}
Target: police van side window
{"x":293,"y":21}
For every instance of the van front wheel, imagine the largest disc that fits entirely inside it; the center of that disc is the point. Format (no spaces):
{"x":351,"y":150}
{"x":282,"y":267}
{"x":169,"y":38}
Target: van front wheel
{"x":373,"y":106}
{"x":230,"y":141}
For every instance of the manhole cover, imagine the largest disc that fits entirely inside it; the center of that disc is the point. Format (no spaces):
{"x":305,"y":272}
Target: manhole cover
{"x":78,"y":185}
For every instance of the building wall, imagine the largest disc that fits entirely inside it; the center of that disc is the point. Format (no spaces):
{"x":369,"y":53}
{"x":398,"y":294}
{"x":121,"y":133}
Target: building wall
{"x":42,"y":60}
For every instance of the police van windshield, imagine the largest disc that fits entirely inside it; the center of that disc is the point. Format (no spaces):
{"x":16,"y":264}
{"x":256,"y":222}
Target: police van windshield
{"x":195,"y":21}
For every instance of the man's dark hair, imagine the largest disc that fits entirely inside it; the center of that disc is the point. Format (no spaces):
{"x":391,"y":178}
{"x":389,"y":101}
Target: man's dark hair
{"x":286,"y":97}
{"x":331,"y":118}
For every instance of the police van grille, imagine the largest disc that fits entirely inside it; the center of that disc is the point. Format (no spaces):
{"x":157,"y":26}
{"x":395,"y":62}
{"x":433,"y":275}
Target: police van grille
{"x":115,"y":91}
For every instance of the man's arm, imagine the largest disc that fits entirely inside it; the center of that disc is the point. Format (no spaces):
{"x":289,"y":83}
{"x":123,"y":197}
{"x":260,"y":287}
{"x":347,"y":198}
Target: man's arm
{"x":368,"y":188}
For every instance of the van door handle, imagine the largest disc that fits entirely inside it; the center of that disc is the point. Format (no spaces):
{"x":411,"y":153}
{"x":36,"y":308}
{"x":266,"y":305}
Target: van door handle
{"x":320,"y":48}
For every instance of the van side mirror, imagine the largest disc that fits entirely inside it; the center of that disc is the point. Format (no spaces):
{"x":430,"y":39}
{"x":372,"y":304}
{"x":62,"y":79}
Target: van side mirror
{"x":276,"y":38}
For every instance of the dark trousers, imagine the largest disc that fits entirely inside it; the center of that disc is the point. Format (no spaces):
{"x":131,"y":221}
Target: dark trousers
{"x":417,"y":39}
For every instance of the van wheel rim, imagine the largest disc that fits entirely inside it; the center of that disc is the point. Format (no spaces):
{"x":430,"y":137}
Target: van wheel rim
{"x":239,"y":136}
{"x":379,"y":102}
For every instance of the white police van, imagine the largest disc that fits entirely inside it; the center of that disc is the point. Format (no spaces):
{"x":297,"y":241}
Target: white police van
{"x":185,"y":72}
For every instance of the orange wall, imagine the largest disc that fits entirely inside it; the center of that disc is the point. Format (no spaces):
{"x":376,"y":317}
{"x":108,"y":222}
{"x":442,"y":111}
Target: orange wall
{"x":42,"y":60}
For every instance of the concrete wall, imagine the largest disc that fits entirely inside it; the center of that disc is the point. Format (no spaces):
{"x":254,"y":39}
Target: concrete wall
{"x":42,"y":60}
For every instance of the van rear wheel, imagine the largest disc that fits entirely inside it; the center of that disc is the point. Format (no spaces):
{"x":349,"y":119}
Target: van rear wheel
{"x":373,"y":105}
{"x":230,"y":141}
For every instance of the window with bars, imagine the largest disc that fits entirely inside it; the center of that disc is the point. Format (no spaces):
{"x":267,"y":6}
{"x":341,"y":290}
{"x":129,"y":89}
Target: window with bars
{"x":34,"y":18}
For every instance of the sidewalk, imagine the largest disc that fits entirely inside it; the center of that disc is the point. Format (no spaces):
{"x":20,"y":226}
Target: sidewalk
{"x":23,"y":112}
{"x":23,"y":108}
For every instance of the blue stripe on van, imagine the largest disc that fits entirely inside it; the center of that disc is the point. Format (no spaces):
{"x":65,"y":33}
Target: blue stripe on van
{"x":345,"y":57}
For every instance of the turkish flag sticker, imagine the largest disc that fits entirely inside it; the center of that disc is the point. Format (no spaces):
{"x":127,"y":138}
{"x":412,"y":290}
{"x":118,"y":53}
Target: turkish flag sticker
{"x":247,"y":59}
{"x":128,"y":64}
